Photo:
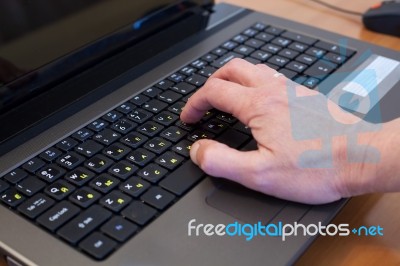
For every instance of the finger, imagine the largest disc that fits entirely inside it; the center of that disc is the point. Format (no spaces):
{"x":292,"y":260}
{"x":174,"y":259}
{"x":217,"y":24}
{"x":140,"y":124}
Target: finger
{"x":242,"y":72}
{"x":219,"y":160}
{"x":221,"y":94}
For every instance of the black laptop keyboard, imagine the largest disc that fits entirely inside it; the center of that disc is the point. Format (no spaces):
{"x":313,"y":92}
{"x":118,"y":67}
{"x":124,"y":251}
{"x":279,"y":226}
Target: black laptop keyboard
{"x":105,"y":182}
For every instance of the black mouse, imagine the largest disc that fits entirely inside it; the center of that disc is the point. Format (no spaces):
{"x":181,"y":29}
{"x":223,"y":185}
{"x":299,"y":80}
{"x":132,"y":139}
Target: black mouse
{"x":383,"y":17}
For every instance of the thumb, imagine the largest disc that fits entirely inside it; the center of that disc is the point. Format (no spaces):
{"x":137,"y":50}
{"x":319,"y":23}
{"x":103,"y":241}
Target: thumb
{"x":219,"y":160}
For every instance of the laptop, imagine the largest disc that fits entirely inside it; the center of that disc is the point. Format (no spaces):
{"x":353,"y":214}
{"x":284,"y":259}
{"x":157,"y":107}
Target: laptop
{"x":94,"y":166}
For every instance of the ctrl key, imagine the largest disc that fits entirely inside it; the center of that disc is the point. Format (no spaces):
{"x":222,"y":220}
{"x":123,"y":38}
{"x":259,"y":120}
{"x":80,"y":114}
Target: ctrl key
{"x":98,"y":245}
{"x":58,"y":215}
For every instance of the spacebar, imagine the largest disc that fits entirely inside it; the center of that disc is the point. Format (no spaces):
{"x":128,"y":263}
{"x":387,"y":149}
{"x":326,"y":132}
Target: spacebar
{"x":183,"y":178}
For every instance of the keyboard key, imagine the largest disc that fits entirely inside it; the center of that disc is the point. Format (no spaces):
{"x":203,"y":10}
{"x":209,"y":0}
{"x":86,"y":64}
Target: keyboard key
{"x":278,"y":60}
{"x":215,"y":126}
{"x":229,"y":45}
{"x":104,"y":183}
{"x":250,"y":32}
{"x":123,"y":169}
{"x":79,"y":176}
{"x":50,"y":173}
{"x":97,"y":125}
{"x":283,"y":42}
{"x":260,"y":55}
{"x":30,"y":186}
{"x":58,"y":215}
{"x":139,"y":115}
{"x":254,"y":43}
{"x":134,"y":140}
{"x":84,"y":197}
{"x":219,"y":51}
{"x":200,"y":134}
{"x":188,"y":70}
{"x":196,"y":80}
{"x":70,"y":160}
{"x":125,"y":108}
{"x":152,"y":172}
{"x":320,"y":69}
{"x":274,"y":30}
{"x":153,"y":92}
{"x":59,"y":189}
{"x":15,"y":176}
{"x":183,"y":147}
{"x":244,"y":50}
{"x":259,"y":26}
{"x":290,"y":74}
{"x":225,"y":59}
{"x":116,"y":151}
{"x":12,"y":197}
{"x":311,"y":83}
{"x":150,"y":128}
{"x":67,"y":144}
{"x":33,"y":165}
{"x":84,"y":224}
{"x":154,"y":106}
{"x":36,"y":205}
{"x":335,"y":58}
{"x":271,"y":48}
{"x":140,"y":156}
{"x":315,"y":52}
{"x":122,"y":126}
{"x":334,"y":48}
{"x":177,"y":108}
{"x":169,"y":160}
{"x":169,"y":96}
{"x":115,"y":201}
{"x":299,"y":37}
{"x":158,"y":198}
{"x":173,"y":134}
{"x":165,"y":118}
{"x":3,"y":186}
{"x":139,"y":213}
{"x":89,"y":148}
{"x":288,"y":53}
{"x":306,"y":59}
{"x":164,"y":84}
{"x":98,"y":163}
{"x":119,"y":229}
{"x":183,"y":178}
{"x":107,"y":136}
{"x":112,"y":116}
{"x":157,"y":145}
{"x":134,"y":186}
{"x":183,"y":88}
{"x":296,"y":67}
{"x":98,"y":245}
{"x":233,"y":138}
{"x":300,"y":47}
{"x":139,"y":100}
{"x":50,"y":154}
{"x":207,"y":71}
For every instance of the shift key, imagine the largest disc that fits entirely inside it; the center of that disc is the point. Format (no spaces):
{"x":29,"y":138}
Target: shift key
{"x":84,"y":224}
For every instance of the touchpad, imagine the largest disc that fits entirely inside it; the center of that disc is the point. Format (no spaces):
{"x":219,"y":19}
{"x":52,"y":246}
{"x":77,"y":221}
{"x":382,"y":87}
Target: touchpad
{"x":244,"y":204}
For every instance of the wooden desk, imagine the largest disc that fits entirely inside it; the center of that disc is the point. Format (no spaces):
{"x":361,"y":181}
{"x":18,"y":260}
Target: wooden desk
{"x":377,"y":209}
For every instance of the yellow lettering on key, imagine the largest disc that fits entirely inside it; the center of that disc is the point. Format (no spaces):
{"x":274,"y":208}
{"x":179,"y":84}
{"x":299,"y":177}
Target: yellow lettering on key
{"x":128,"y":168}
{"x":83,"y":176}
{"x":102,"y":163}
{"x":90,"y":196}
{"x":157,"y":172}
{"x":139,"y":185}
{"x":109,"y":183}
{"x":17,"y":196}
{"x":120,"y":201}
{"x":64,"y":190}
{"x":120,"y":150}
{"x":174,"y":161}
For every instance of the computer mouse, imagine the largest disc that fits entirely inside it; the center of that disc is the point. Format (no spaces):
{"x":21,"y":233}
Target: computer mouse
{"x":383,"y":17}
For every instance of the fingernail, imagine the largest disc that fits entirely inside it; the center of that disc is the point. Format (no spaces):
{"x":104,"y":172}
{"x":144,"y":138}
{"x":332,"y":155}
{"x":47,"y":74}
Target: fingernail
{"x":193,"y":152}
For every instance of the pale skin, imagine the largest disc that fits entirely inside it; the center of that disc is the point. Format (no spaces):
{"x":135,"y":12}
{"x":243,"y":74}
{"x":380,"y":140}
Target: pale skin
{"x":260,"y":99}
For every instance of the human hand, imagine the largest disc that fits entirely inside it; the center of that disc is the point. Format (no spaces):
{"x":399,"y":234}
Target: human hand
{"x":283,"y":165}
